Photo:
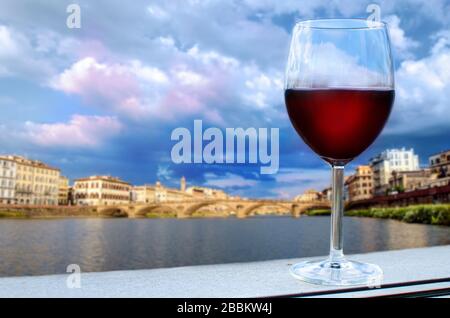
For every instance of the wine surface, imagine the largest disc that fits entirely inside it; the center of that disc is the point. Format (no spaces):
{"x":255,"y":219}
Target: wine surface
{"x":339,"y":124}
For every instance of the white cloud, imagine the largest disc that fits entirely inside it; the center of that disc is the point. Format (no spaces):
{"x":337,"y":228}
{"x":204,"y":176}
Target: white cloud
{"x":116,"y":86}
{"x":423,"y":91}
{"x":292,"y":181}
{"x":229,"y":180}
{"x":157,"y":12}
{"x":305,"y":8}
{"x":329,"y":65}
{"x":200,"y":83}
{"x":262,"y":90}
{"x":18,"y":57}
{"x":402,"y":45}
{"x":9,"y":43}
{"x":190,"y":78}
{"x":80,"y":131}
{"x":149,"y":74}
{"x":164,"y":173}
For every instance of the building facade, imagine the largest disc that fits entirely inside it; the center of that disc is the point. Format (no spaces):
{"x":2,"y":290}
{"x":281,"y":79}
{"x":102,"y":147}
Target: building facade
{"x":389,"y":160}
{"x":101,"y":190}
{"x":206,"y":193}
{"x":401,"y":181}
{"x":360,"y":184}
{"x":327,"y":194}
{"x":160,"y":193}
{"x":163,"y":194}
{"x":183,"y":184}
{"x":35,"y":182}
{"x":440,"y":164}
{"x":8,"y":170}
{"x":309,"y":196}
{"x":63,"y":191}
{"x":144,"y":194}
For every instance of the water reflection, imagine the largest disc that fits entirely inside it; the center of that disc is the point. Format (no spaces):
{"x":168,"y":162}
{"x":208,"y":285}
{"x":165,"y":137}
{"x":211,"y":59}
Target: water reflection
{"x":35,"y":247}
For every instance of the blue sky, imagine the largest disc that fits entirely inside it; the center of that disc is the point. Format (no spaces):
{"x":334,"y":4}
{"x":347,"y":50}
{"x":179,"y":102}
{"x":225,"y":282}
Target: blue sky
{"x":105,"y":98}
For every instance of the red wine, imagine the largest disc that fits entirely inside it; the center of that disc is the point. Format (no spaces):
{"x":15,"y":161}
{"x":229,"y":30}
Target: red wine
{"x":339,"y":124}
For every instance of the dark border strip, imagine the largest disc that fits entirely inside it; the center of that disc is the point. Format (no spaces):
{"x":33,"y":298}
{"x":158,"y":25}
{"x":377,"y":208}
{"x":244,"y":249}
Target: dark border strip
{"x":365,"y":288}
{"x":419,"y":294}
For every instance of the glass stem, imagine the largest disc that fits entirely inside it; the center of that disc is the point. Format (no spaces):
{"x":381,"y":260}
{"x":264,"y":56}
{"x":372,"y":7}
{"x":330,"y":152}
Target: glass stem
{"x":337,"y":211}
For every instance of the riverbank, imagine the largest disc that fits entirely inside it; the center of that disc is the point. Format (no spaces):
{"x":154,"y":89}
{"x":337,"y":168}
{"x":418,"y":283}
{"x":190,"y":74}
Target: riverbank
{"x":40,"y":212}
{"x":435,"y":214}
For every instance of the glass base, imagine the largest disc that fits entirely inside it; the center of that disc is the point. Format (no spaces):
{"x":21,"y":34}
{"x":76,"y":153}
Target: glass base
{"x":338,"y":273}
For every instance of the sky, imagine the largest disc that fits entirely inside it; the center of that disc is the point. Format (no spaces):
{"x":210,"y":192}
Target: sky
{"x":104,"y":98}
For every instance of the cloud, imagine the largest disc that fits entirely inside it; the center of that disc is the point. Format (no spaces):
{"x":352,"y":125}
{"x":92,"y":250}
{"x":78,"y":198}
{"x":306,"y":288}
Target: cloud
{"x":80,"y":131}
{"x":229,"y":180}
{"x":164,"y":173}
{"x":304,"y":8}
{"x":110,"y":85}
{"x":328,"y":64}
{"x":200,"y":83}
{"x":18,"y":57}
{"x":423,"y":91}
{"x":294,"y":181}
{"x":402,"y":45}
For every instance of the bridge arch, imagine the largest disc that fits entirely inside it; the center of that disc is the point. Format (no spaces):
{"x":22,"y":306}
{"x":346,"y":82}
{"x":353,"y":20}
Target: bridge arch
{"x":253,"y":207}
{"x":143,"y":211}
{"x":113,"y":211}
{"x":310,"y":206}
{"x":191,"y":209}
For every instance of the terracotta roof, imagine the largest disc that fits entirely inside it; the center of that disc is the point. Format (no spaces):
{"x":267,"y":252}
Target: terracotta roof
{"x":102,"y":178}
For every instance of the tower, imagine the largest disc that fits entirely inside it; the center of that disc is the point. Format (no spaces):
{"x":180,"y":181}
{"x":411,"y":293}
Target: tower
{"x":183,"y":184}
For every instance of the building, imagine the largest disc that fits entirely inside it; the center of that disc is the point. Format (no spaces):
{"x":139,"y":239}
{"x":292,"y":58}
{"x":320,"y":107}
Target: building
{"x":36,"y":182}
{"x":308,"y":196}
{"x":438,"y":182}
{"x":163,"y":194}
{"x":401,"y":181}
{"x":71,"y":196}
{"x":440,"y":164}
{"x":388,"y":161}
{"x":160,"y":193}
{"x":101,"y":190}
{"x":360,"y":184}
{"x":63,"y":191}
{"x":144,"y":194}
{"x":327,"y":194}
{"x":206,"y":193}
{"x":8,"y":170}
{"x":183,"y":184}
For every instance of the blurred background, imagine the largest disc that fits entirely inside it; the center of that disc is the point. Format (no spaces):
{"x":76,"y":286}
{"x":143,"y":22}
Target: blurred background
{"x":97,"y":103}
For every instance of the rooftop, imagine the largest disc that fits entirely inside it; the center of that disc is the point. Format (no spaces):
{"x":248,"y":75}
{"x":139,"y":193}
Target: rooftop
{"x":28,"y":162}
{"x":440,"y":153}
{"x":104,"y":178}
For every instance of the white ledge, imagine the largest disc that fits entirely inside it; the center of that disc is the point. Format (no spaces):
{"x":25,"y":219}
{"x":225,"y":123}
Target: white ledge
{"x":256,"y":279}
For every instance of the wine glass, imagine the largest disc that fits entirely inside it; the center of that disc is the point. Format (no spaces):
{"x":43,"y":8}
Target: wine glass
{"x":339,"y":92}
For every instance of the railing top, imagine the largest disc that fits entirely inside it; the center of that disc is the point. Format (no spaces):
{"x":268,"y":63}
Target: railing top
{"x":256,"y":279}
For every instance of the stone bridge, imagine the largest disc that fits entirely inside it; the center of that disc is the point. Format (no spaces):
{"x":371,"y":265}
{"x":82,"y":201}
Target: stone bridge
{"x":185,"y":209}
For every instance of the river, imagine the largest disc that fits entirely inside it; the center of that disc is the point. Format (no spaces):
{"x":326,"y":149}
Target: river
{"x":47,"y":246}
